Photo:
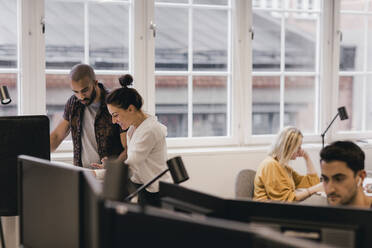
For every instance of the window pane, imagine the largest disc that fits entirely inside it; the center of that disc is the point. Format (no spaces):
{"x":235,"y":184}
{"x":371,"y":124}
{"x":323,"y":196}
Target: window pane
{"x":352,"y":47}
{"x":266,"y":42}
{"x":58,"y":92}
{"x":172,"y":1}
{"x":210,"y":53}
{"x":368,"y":104}
{"x":109,"y":81}
{"x":106,"y":47}
{"x":172,"y":104}
{"x":300,"y":42}
{"x":350,"y":96}
{"x":64,"y":34}
{"x":211,"y":2}
{"x":265,"y":105}
{"x":210,"y":40}
{"x":8,"y":54}
{"x":10,"y":81}
{"x":352,"y":5}
{"x":369,"y":43}
{"x":209,"y":106}
{"x":8,"y":31}
{"x":299,"y":103}
{"x":171,"y":43}
{"x":268,"y":4}
{"x":305,"y":5}
{"x":108,"y":36}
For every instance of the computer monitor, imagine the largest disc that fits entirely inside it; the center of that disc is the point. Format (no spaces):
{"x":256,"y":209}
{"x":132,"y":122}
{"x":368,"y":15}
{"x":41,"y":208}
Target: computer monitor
{"x":179,"y":198}
{"x":128,"y":225}
{"x":90,"y":209}
{"x":27,"y":135}
{"x":56,"y":203}
{"x":341,"y":227}
{"x":116,"y":182}
{"x":338,"y":226}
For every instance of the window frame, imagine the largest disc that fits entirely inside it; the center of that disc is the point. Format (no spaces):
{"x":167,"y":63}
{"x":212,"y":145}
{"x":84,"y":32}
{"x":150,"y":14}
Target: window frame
{"x":32,"y":71}
{"x":190,"y":73}
{"x":351,"y":135}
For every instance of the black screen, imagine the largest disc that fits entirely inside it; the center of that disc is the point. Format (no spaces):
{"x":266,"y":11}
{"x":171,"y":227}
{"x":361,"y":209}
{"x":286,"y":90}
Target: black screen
{"x":50,"y":202}
{"x":27,"y":135}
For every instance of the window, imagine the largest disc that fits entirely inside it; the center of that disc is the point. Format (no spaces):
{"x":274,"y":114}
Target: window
{"x":8,"y":54}
{"x":90,"y":32}
{"x":192,"y":67}
{"x":355,"y":64}
{"x":202,"y":87}
{"x":285,"y":79}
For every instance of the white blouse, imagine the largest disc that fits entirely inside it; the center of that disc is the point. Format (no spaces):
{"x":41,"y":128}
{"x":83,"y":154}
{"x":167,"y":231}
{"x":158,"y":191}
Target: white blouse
{"x":147,"y":152}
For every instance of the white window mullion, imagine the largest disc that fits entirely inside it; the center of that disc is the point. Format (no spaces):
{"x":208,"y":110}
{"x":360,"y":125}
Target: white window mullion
{"x":317,"y":73}
{"x":32,"y":90}
{"x":242,"y":69}
{"x":334,"y":89}
{"x":86,"y":33}
{"x":282,"y":69}
{"x":229,"y":81}
{"x":190,"y":76}
{"x":365,"y":63}
{"x":130,"y":37}
{"x":143,"y":52}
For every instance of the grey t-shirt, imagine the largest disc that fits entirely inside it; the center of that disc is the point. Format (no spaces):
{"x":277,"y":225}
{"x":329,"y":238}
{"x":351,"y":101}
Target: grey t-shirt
{"x":89,"y":147}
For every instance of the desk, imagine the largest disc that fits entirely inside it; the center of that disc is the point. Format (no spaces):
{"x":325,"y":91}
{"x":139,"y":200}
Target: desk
{"x":315,"y":199}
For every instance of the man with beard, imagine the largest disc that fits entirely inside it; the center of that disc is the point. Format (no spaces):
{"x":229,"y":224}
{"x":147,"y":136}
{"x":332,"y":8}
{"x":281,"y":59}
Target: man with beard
{"x":94,"y":135}
{"x":342,"y":166}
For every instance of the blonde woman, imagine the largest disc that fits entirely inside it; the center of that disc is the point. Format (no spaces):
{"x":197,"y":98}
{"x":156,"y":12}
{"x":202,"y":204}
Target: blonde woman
{"x":276,"y":181}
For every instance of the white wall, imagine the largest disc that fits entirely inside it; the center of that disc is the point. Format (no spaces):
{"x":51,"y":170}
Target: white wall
{"x":214,"y":170}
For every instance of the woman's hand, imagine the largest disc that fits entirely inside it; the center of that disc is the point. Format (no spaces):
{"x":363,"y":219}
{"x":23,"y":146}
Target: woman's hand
{"x":99,"y":166}
{"x":303,"y":153}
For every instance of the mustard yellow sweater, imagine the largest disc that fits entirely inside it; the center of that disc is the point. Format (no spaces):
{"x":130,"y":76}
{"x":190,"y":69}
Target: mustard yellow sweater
{"x":278,"y":183}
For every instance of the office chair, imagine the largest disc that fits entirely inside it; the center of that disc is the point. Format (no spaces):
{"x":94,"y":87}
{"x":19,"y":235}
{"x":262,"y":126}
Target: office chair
{"x":244,"y":184}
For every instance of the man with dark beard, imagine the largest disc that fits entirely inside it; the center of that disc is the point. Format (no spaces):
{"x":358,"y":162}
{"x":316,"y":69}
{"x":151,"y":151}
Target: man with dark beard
{"x":94,"y":135}
{"x":342,"y":166}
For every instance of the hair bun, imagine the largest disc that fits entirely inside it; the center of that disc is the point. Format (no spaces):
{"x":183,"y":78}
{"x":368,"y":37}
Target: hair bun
{"x":126,"y":80}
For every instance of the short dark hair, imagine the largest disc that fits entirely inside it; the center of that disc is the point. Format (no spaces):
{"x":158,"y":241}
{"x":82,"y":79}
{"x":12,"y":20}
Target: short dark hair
{"x":345,"y":151}
{"x":80,"y":71}
{"x":125,"y":96}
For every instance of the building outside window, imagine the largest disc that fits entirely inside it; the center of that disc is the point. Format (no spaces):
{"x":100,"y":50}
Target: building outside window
{"x":355,"y":64}
{"x":286,"y":59}
{"x":192,"y":67}
{"x":9,"y":54}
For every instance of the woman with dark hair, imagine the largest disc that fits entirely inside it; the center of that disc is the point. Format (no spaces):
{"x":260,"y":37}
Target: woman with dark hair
{"x":147,"y":148}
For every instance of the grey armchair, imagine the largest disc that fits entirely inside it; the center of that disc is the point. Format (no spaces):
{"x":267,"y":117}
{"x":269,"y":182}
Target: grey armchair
{"x":244,"y":184}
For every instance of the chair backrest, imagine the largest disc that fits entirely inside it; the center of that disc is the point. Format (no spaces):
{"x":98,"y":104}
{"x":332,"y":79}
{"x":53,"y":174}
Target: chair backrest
{"x":244,"y":184}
